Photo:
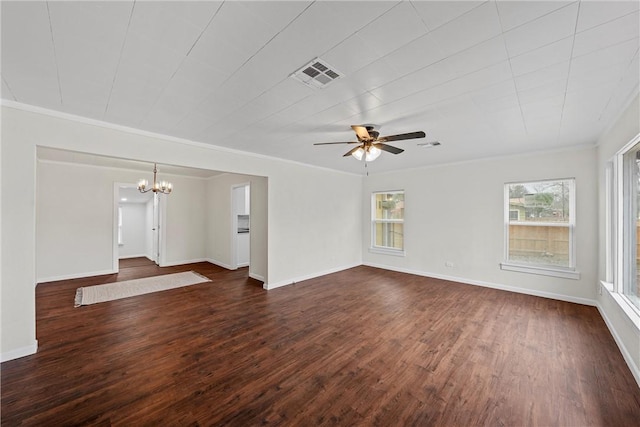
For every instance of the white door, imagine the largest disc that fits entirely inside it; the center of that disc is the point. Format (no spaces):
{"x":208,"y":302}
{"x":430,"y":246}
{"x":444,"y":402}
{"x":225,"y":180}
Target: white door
{"x":155,"y":228}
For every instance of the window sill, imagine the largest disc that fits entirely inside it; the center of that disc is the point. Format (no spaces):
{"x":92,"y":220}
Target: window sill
{"x":543,"y":271}
{"x":629,"y":309}
{"x":385,"y":251}
{"x":607,"y":285}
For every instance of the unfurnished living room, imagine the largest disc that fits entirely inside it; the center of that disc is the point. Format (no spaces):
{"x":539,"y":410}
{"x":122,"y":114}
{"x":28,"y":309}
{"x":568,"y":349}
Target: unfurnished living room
{"x":304,"y":213}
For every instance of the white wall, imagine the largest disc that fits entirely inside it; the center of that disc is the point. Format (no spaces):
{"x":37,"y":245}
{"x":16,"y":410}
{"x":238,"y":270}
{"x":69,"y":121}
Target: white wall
{"x":184,"y":223}
{"x":455,"y":213}
{"x":134,"y":230}
{"x":75,"y":226}
{"x":17,"y":292}
{"x":626,"y":333}
{"x":313,"y":214}
{"x":258,"y":211}
{"x":220,"y":231}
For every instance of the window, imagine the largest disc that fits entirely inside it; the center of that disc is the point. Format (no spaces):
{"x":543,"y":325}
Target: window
{"x":622,"y":222}
{"x":539,"y":227}
{"x":387,"y":222}
{"x":631,"y":225}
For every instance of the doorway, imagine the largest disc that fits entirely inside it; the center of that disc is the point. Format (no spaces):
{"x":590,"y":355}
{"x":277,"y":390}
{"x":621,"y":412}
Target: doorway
{"x":241,"y":225}
{"x":137,"y":224}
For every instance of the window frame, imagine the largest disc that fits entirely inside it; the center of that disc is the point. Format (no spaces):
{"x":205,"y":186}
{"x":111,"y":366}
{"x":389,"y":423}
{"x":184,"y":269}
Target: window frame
{"x":617,"y":217}
{"x":569,"y":272}
{"x":386,"y":250}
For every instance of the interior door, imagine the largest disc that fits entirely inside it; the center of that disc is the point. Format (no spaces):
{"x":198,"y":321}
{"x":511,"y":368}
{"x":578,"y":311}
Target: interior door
{"x":155,"y":228}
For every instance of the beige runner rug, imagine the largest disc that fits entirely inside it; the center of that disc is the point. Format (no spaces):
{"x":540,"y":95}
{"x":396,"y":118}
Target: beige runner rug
{"x":112,"y":291}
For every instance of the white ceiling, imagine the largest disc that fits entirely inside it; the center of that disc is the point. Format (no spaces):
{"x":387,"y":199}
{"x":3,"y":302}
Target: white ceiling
{"x":484,"y":78}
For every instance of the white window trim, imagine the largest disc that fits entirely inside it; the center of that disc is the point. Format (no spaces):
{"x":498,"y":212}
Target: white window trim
{"x":614,"y":277}
{"x":384,"y":250}
{"x":543,"y":269}
{"x":610,"y":223}
{"x":387,"y":251}
{"x":565,"y":273}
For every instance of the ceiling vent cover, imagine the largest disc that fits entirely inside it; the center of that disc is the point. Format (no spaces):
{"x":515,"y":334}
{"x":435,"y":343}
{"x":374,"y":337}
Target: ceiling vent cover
{"x":317,"y":74}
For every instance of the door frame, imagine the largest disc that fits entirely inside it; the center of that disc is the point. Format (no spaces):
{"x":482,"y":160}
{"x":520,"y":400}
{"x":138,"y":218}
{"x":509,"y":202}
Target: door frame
{"x":162,"y":209}
{"x":234,"y":225}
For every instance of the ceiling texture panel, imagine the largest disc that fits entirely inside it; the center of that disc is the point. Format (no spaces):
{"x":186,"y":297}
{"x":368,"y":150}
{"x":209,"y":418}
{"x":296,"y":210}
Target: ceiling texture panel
{"x":29,"y":65}
{"x":484,"y":78}
{"x":514,"y":14}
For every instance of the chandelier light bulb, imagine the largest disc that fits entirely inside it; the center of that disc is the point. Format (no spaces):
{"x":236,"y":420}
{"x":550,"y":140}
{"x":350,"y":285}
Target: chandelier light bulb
{"x":163,"y":187}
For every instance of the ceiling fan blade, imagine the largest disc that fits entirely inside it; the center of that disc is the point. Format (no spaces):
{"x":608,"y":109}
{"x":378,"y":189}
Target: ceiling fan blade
{"x":410,"y":135}
{"x":330,"y":143}
{"x":350,"y":152}
{"x":389,"y":148}
{"x":361,"y":131}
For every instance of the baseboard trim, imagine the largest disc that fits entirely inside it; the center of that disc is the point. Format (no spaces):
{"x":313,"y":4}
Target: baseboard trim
{"x":134,"y":256}
{"x":244,"y":264}
{"x":635,"y":370}
{"x":19,"y":352}
{"x":295,"y":280}
{"x":543,"y":294}
{"x":75,"y":276}
{"x":183,"y":262}
{"x":219,"y":264}
{"x":257,"y":277}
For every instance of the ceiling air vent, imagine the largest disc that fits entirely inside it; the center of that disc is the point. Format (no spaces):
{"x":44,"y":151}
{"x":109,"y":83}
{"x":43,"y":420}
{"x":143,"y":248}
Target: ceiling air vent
{"x":317,"y":74}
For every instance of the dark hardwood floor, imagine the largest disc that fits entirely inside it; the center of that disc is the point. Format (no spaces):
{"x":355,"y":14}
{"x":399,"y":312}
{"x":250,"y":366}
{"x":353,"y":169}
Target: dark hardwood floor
{"x":361,"y":347}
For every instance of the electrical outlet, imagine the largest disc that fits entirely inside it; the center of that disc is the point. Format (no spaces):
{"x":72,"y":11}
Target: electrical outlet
{"x":599,"y":289}
{"x":449,"y":264}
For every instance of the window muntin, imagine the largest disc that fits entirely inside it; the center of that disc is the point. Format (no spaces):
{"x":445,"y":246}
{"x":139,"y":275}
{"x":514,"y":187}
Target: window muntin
{"x":387,"y":212}
{"x":542,"y":233}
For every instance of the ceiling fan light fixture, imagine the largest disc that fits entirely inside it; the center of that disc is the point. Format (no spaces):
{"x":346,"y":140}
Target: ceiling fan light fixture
{"x":369,"y":153}
{"x":358,"y":153}
{"x":372,"y":153}
{"x":371,"y":145}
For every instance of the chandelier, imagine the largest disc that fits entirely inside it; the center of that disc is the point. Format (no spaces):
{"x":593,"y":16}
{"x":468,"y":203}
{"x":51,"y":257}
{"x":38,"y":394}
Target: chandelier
{"x":163,"y":187}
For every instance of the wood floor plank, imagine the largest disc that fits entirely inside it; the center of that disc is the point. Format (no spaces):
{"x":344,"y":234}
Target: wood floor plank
{"x":360,"y":347}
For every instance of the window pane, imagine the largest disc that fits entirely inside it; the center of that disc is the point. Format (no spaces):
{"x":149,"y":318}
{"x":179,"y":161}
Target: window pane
{"x":547,"y":245}
{"x":542,"y":201}
{"x":632,"y":225}
{"x":389,"y":206}
{"x":390,"y":235}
